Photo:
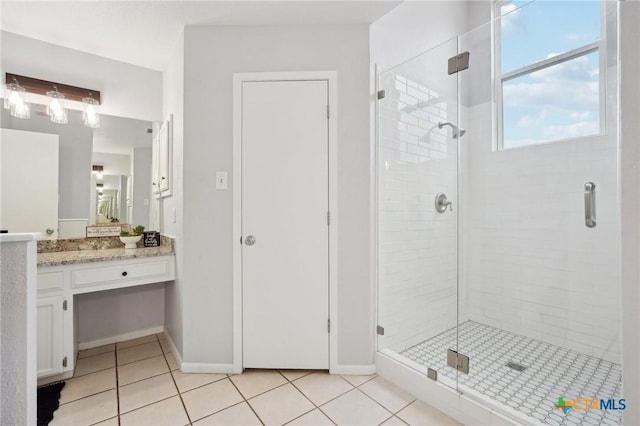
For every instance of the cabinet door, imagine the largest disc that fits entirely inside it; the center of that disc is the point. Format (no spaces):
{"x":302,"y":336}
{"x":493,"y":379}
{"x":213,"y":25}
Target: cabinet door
{"x":50,"y":335}
{"x":155,"y":164}
{"x":164,"y":160}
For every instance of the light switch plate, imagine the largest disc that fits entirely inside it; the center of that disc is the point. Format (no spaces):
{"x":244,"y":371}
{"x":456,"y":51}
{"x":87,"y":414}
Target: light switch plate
{"x":221,"y":180}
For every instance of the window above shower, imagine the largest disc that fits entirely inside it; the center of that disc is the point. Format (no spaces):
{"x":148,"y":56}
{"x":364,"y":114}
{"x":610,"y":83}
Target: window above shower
{"x":550,"y":78}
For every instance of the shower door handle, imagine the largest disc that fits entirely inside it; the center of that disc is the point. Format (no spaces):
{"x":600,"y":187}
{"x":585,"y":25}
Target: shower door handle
{"x":590,"y":204}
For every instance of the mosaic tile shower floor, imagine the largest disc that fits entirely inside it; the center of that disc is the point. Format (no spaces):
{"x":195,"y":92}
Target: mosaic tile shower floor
{"x":551,"y":371}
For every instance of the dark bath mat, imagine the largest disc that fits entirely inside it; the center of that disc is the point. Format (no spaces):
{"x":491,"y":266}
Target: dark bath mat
{"x":48,"y":402}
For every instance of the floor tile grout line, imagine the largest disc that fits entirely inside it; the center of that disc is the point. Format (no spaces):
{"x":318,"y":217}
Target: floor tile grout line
{"x":303,"y":414}
{"x":115,"y":347}
{"x":401,"y":419}
{"x":245,"y":399}
{"x":117,"y":387}
{"x":147,"y":405}
{"x":327,"y":415}
{"x":199,"y":386}
{"x":371,"y":398}
{"x":334,"y":398}
{"x":261,"y":393}
{"x":414,"y":400}
{"x":90,"y":395}
{"x":184,"y":406}
{"x":141,"y":359}
{"x":303,"y":394}
{"x":93,"y":372}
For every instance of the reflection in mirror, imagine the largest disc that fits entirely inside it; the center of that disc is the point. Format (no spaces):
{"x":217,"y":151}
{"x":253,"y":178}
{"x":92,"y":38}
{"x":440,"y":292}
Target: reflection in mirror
{"x":121,"y":193}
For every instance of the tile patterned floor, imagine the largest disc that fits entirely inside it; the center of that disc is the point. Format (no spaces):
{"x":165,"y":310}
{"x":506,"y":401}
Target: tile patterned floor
{"x":137,"y":383}
{"x":551,"y":371}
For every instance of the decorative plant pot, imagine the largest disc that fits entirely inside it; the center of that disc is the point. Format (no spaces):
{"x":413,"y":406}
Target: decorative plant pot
{"x":130,"y":242}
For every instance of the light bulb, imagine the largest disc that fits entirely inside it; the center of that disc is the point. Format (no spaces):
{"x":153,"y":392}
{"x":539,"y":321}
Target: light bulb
{"x":90,"y":115}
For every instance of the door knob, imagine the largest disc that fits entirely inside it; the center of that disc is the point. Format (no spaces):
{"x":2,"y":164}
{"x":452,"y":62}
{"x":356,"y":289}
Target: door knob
{"x":250,"y":240}
{"x":50,"y":231}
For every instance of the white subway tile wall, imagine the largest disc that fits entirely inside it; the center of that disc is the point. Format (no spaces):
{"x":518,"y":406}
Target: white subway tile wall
{"x":417,"y":245}
{"x":531,"y":266}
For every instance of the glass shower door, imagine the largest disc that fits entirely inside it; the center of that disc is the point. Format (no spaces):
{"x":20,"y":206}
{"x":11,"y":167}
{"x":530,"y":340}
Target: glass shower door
{"x":417,"y":199}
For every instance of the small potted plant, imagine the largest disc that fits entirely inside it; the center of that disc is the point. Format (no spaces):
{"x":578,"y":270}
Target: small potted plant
{"x":131,"y":238}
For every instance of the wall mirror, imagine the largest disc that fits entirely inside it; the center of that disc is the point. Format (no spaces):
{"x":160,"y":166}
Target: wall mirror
{"x":118,"y":191}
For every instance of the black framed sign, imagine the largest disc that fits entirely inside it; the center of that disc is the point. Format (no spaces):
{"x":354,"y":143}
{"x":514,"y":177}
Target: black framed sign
{"x":151,"y":239}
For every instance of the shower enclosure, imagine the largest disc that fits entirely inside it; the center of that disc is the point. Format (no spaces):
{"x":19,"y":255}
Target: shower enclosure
{"x":498,"y":217}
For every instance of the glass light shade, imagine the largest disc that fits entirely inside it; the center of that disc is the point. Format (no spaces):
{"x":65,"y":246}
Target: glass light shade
{"x":55,"y":109}
{"x":90,"y":115}
{"x":14,"y":101}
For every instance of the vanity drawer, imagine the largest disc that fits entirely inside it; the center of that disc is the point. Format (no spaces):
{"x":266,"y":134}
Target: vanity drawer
{"x":50,"y":281}
{"x":138,"y":272}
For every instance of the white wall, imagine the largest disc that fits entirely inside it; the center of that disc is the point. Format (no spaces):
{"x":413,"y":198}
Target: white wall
{"x":630,"y":199}
{"x":173,"y":84}
{"x":414,"y":27}
{"x":212,"y":55}
{"x":114,"y":164}
{"x":128,"y":310}
{"x":127,"y":90}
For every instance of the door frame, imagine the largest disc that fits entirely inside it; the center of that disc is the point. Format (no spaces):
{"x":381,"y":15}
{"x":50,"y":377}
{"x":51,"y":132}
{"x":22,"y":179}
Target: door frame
{"x":238,"y":79}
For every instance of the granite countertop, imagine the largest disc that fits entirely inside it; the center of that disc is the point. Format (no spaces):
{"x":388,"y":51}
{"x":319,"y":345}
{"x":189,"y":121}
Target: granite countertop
{"x":87,"y":256}
{"x":87,"y":250}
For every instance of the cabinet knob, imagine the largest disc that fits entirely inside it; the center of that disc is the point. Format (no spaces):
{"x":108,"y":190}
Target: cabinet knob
{"x":124,"y":274}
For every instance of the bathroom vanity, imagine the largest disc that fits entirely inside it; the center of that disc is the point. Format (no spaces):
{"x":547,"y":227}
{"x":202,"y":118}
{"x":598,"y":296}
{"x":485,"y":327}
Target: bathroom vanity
{"x":64,"y":274}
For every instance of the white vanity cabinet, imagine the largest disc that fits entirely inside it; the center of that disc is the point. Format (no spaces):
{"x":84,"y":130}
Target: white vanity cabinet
{"x":50,"y":335}
{"x":57,"y":286}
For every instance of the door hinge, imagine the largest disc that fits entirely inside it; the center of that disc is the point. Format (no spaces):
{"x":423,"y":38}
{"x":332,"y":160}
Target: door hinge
{"x":328,"y":111}
{"x":328,"y":326}
{"x":64,"y":305}
{"x":64,"y":361}
{"x":458,"y":361}
{"x":381,"y":94}
{"x":380,"y":330}
{"x":458,"y":63}
{"x":328,"y":218}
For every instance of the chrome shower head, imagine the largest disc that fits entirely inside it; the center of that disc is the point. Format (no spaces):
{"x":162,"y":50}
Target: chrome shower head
{"x":455,"y":132}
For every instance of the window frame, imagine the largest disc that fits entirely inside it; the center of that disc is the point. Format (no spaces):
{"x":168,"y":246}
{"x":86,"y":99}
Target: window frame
{"x":599,"y":46}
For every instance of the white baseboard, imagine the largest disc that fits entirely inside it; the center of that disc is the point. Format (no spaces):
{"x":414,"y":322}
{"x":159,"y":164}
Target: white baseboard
{"x":201,"y":367}
{"x":174,"y":350}
{"x":120,"y":338}
{"x":355,"y":370}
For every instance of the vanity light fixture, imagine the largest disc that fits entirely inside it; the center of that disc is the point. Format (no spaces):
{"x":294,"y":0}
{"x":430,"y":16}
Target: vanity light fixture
{"x":57,"y":93}
{"x":90,"y":114}
{"x":97,"y":170}
{"x":55,"y":108}
{"x":14,"y":100}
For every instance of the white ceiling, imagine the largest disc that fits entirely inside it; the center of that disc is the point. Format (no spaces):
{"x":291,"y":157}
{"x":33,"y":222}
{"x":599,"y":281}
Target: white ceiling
{"x":144,"y":32}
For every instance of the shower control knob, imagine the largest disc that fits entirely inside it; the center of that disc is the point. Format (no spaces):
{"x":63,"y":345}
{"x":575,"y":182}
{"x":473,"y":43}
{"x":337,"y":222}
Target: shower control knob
{"x":441,"y":203}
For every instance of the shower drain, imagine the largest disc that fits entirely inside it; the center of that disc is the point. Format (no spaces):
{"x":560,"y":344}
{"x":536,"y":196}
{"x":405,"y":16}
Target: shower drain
{"x":516,"y":366}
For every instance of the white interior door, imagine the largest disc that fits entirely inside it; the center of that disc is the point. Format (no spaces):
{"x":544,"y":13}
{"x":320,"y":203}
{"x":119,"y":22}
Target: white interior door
{"x":285,"y":279}
{"x":29,"y":182}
